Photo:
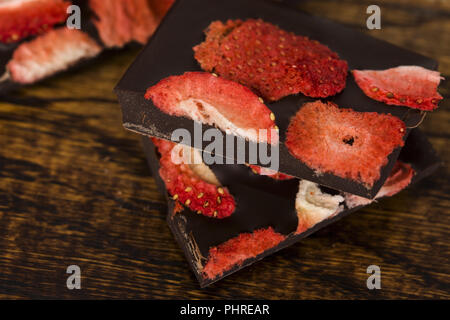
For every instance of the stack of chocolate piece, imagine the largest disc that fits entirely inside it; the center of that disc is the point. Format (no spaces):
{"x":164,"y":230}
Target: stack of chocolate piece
{"x":337,"y":110}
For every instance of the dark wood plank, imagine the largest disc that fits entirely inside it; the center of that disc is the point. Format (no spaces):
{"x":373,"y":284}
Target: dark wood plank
{"x":75,"y":189}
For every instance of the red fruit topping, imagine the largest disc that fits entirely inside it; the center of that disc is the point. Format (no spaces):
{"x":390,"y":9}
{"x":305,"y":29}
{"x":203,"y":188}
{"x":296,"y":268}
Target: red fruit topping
{"x":349,"y":144}
{"x":236,"y":250}
{"x":212,"y":100}
{"x":273,"y":62}
{"x":22,"y":18}
{"x":270,"y":173}
{"x":160,"y":7}
{"x":187,"y":184}
{"x":410,"y":86}
{"x":54,"y":51}
{"x":314,"y":206}
{"x":119,"y":22}
{"x":398,"y":180}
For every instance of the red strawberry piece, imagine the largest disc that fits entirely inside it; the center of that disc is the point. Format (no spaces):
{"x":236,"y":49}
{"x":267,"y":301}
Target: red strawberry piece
{"x":160,"y":7}
{"x":213,"y":100}
{"x":49,"y":53}
{"x":349,"y":144}
{"x":22,"y":18}
{"x":236,"y":250}
{"x":270,"y":173}
{"x":188,"y":185}
{"x":398,"y":180}
{"x":410,"y":86}
{"x":119,"y":22}
{"x":314,"y":206}
{"x":273,"y":62}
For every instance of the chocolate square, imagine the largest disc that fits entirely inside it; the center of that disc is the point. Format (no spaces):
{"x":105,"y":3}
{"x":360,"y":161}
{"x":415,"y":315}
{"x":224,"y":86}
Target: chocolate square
{"x":262,"y":202}
{"x":169,"y":52}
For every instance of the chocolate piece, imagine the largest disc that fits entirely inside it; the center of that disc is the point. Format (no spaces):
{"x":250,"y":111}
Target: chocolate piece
{"x":165,"y":57}
{"x":6,"y":51}
{"x":262,"y":202}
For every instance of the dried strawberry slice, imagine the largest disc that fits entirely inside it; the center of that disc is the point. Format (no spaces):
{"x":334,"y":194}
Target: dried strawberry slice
{"x":54,"y":51}
{"x":216,"y":101}
{"x":193,"y":185}
{"x":119,"y":22}
{"x":410,"y":86}
{"x":313,"y":205}
{"x":398,"y":180}
{"x":349,"y":144}
{"x":273,"y":62}
{"x":22,"y":18}
{"x":270,"y":173}
{"x":236,"y":250}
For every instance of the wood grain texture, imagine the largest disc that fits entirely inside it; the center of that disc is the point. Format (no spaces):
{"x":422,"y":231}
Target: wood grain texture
{"x":75,"y":189}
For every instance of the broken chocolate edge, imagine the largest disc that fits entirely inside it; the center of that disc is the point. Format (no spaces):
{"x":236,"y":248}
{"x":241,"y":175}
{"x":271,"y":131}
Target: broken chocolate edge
{"x":429,"y":163}
{"x":317,"y":28}
{"x":138,"y":116}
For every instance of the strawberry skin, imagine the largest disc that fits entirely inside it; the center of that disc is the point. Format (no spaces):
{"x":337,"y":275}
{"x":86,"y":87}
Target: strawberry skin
{"x":236,"y":250}
{"x":213,"y":100}
{"x":273,"y":62}
{"x":119,"y":22}
{"x":23,"y":18}
{"x":269,"y":173}
{"x":410,"y":86}
{"x":349,"y":144}
{"x":399,"y":179}
{"x":189,"y":189}
{"x":49,"y":53}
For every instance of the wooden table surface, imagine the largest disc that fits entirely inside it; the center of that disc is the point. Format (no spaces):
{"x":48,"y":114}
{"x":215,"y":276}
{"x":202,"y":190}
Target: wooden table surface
{"x":75,"y":189}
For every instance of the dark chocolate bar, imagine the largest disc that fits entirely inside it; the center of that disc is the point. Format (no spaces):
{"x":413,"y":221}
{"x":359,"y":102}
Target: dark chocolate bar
{"x":262,"y":203}
{"x":169,"y":54}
